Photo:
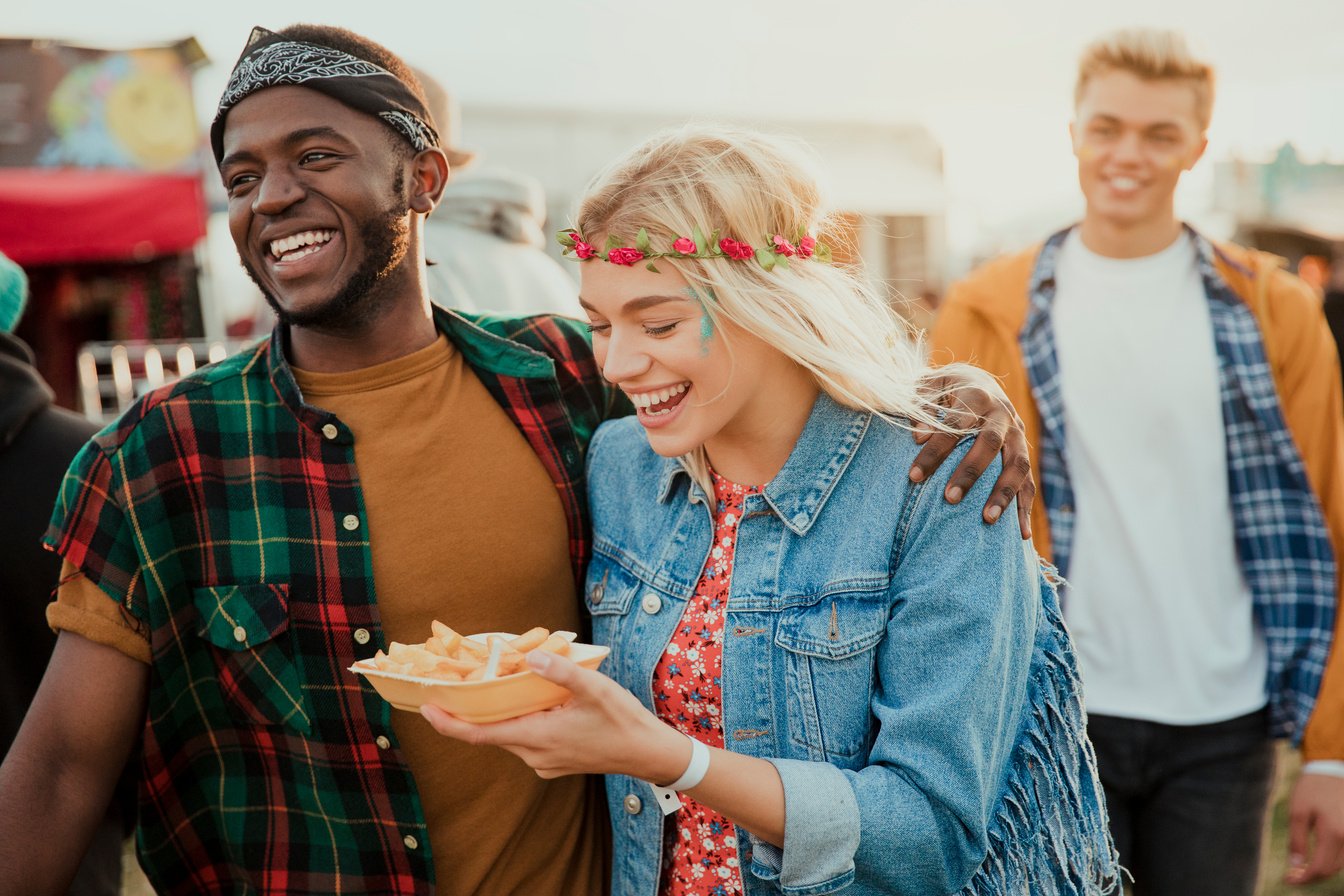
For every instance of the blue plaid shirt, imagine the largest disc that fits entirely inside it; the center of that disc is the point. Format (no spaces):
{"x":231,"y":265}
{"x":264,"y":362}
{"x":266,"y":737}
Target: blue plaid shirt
{"x":1283,"y":545}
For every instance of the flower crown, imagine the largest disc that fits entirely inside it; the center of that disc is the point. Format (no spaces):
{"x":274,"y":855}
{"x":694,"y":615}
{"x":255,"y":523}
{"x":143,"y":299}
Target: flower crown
{"x":778,"y":253}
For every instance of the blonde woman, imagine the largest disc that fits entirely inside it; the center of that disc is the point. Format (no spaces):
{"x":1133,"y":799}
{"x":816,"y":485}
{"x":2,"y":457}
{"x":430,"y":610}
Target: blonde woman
{"x":823,"y":678}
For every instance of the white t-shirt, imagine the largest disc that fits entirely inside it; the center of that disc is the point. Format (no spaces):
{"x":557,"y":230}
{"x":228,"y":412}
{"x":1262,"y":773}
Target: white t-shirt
{"x":1160,"y":615}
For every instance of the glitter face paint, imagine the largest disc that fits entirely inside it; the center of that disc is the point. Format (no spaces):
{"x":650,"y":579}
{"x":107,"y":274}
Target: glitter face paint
{"x":706,"y":322}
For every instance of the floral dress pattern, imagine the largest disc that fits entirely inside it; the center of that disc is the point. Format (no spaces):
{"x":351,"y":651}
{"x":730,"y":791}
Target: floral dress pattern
{"x":701,"y":858}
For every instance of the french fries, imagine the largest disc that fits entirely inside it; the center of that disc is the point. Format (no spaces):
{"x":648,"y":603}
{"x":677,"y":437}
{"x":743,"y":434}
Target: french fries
{"x":449,"y":656}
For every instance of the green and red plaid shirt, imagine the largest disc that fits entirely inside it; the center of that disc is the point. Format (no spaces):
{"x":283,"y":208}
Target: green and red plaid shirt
{"x":226,"y":515}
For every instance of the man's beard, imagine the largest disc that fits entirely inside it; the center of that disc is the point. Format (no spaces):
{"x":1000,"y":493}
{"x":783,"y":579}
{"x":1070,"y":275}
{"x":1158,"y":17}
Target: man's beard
{"x":386,"y":240}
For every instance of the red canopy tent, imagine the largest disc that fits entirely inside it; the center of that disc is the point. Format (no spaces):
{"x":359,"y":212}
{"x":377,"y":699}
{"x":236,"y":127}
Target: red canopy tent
{"x":70,"y":215}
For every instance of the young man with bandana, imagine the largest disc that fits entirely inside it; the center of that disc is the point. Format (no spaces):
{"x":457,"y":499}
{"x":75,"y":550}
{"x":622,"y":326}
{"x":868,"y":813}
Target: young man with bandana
{"x":240,"y":538}
{"x":1183,"y":400}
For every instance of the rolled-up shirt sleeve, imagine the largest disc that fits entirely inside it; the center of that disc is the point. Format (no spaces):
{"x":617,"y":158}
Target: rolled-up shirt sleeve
{"x":86,"y":610}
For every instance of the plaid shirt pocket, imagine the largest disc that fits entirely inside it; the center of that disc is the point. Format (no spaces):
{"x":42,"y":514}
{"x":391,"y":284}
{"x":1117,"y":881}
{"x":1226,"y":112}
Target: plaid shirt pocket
{"x":248,"y":626}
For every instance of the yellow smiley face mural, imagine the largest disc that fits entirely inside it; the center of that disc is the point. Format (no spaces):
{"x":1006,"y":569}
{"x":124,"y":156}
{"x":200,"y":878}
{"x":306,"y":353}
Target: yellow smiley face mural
{"x":149,"y":112}
{"x":126,"y":110}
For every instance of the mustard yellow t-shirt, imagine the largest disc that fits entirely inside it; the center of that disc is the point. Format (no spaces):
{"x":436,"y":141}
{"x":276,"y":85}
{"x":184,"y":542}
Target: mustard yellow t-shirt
{"x":465,"y":526}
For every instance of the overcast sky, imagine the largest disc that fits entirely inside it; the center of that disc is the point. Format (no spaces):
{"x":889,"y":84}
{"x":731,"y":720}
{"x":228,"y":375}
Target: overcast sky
{"x":991,"y":80}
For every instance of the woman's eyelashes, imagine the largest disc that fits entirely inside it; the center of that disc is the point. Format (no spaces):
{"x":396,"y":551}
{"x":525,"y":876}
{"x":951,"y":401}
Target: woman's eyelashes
{"x":649,"y":329}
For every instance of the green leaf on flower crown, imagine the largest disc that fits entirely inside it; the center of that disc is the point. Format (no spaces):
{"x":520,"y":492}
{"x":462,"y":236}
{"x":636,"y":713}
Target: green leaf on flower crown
{"x":782,"y":261}
{"x":766,"y":259}
{"x":714,"y":244}
{"x":702,"y":248}
{"x":650,"y":267}
{"x":822,"y":252}
{"x":565,"y":238}
{"x":642,"y":242}
{"x":614,"y":242}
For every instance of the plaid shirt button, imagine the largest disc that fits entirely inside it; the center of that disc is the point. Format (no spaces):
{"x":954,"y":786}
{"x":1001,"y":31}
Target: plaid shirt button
{"x":330,"y":431}
{"x":382,"y":742}
{"x":411,"y":842}
{"x":361,"y":636}
{"x":240,"y":634}
{"x":351,"y":522}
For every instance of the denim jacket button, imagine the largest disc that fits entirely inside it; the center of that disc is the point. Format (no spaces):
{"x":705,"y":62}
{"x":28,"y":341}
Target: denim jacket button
{"x":633,"y":804}
{"x":651,"y":604}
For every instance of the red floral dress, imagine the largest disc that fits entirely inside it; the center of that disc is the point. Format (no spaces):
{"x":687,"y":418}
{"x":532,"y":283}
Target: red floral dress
{"x":687,"y":685}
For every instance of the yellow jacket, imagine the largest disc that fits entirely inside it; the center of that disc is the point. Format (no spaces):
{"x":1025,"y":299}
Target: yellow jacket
{"x":982,"y":316}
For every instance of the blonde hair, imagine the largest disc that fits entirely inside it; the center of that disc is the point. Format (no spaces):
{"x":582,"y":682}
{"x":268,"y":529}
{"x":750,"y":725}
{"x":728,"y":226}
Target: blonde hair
{"x":1153,"y":55}
{"x":748,"y":187}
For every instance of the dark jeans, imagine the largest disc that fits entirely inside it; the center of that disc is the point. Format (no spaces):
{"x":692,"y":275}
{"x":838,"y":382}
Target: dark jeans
{"x":1187,"y":802}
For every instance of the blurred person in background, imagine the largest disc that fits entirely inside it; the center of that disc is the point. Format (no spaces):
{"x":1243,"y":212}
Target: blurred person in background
{"x":485,"y":241}
{"x":239,"y":538}
{"x":1184,"y":403}
{"x":37,"y":442}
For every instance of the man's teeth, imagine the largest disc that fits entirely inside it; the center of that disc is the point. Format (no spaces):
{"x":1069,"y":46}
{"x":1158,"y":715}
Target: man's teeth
{"x":309,"y":240}
{"x":1124,"y":183}
{"x":646,"y":400}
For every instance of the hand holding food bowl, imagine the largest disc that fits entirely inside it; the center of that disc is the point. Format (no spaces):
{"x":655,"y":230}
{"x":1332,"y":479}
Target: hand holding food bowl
{"x":478,"y":678}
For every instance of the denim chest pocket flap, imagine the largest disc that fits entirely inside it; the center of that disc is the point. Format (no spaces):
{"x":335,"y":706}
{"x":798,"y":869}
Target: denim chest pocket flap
{"x":241,"y":617}
{"x":260,"y":679}
{"x":610,"y":588}
{"x":834,"y":627}
{"x":828,"y":663}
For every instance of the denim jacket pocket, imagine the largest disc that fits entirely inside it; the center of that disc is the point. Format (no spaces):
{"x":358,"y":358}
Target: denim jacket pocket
{"x":248,"y":629}
{"x":830,"y":653}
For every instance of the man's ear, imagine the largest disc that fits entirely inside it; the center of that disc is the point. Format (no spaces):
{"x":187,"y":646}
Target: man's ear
{"x":429,"y":176}
{"x":1198,"y":153}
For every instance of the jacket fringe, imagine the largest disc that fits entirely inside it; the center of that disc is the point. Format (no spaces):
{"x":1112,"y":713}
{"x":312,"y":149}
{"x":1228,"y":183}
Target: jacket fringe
{"x":1050,"y":835}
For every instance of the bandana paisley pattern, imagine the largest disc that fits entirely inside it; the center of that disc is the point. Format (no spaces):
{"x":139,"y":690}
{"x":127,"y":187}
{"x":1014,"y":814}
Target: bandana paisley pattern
{"x":687,"y":684}
{"x":292,"y":63}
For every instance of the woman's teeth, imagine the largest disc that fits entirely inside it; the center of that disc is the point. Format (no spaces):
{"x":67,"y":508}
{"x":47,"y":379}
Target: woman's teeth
{"x":648,"y":402}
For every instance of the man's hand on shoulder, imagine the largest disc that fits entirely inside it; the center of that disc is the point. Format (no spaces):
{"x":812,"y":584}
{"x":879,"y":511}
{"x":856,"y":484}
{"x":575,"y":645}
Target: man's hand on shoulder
{"x":975,"y":401}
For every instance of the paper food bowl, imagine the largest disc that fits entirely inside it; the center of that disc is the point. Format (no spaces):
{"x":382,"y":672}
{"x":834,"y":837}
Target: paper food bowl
{"x":478,"y":701}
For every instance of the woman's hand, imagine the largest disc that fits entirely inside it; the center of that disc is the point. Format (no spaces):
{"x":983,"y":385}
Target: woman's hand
{"x":602,"y":729}
{"x":975,"y":401}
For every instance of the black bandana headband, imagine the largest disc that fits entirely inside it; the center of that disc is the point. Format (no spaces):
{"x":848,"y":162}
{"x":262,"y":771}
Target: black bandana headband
{"x":272,"y":60}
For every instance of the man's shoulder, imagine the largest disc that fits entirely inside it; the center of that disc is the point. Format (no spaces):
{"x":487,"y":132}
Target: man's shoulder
{"x":1281,"y":299}
{"x":223,"y":382}
{"x":563,"y":338}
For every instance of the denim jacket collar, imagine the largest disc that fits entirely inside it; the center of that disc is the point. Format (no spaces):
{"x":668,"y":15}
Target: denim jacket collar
{"x":799,"y":491}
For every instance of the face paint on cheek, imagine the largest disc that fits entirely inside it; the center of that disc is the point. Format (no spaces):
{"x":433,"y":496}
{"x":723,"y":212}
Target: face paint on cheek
{"x":706,"y":322}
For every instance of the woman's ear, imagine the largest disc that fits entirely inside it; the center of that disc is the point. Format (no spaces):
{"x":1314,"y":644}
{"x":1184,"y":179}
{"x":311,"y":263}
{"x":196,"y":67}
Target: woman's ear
{"x":429,"y":176}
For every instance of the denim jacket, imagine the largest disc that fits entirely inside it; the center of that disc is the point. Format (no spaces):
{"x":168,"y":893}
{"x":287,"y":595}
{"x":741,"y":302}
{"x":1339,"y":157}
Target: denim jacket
{"x":901,"y":663}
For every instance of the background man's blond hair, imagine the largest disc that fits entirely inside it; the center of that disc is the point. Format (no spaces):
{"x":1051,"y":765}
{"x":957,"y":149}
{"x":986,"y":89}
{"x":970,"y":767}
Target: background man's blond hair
{"x":1153,"y":55}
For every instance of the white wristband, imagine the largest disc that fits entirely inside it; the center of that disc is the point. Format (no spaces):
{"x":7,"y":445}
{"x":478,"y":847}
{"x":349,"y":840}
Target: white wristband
{"x":695,"y":769}
{"x":694,"y":774}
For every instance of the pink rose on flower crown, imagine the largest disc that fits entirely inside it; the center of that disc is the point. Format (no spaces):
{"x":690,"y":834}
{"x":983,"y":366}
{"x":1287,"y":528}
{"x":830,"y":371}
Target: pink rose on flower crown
{"x":806,"y":246}
{"x":783,"y":246}
{"x":734,"y":249}
{"x":583,"y":250}
{"x":684,"y":246}
{"x":626,"y":256}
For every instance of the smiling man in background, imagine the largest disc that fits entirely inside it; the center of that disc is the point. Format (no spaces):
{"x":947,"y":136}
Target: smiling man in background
{"x":1183,"y":400}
